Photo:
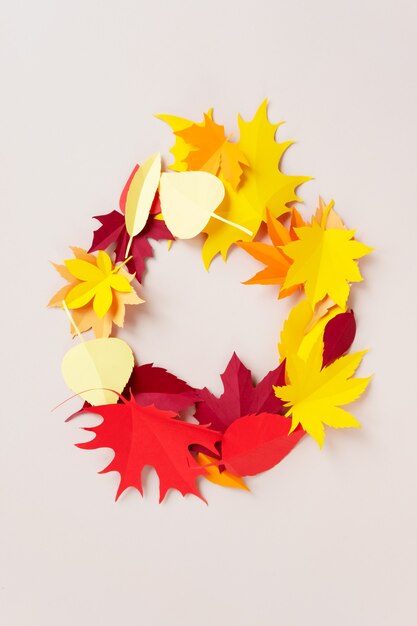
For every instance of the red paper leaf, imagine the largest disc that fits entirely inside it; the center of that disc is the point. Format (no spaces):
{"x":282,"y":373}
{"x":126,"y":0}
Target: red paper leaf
{"x":113,"y":230}
{"x":240,"y":397}
{"x":141,"y":436}
{"x":255,"y":443}
{"x":156,"y":205}
{"x":338,"y":336}
{"x":154,"y":385}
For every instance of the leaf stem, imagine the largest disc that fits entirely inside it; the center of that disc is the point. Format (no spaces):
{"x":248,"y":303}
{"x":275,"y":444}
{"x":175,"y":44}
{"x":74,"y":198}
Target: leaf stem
{"x":129,"y":243}
{"x":116,"y":269}
{"x":238,"y":226}
{"x":71,"y":319}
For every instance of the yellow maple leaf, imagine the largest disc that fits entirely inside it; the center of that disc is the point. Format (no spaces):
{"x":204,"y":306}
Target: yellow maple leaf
{"x":85,"y":316}
{"x":211,"y":151}
{"x":313,"y":396}
{"x":325,"y":261}
{"x":263,"y":185}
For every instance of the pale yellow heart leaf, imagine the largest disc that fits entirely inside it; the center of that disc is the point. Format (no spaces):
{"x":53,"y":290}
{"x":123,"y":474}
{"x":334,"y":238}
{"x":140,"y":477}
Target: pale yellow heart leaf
{"x":93,"y":368}
{"x":188,"y":200}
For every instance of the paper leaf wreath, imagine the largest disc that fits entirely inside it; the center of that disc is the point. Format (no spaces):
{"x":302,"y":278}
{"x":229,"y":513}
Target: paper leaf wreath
{"x":224,"y":189}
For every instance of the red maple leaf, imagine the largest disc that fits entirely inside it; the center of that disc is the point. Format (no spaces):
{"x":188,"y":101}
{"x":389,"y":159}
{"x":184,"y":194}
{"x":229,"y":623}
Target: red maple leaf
{"x":155,"y":385}
{"x":240,"y":396}
{"x":145,"y":435}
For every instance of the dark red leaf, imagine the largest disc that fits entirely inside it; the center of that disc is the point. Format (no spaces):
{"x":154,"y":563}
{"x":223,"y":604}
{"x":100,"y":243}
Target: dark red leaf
{"x":338,"y":336}
{"x":240,"y":396}
{"x":154,"y":385}
{"x":113,"y":230}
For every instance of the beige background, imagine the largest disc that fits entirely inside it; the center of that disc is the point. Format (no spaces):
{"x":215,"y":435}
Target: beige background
{"x":327,"y":537}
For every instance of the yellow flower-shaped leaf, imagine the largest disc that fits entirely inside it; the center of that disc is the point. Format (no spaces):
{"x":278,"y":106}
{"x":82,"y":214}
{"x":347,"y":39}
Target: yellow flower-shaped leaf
{"x":85,"y":317}
{"x":98,"y":281}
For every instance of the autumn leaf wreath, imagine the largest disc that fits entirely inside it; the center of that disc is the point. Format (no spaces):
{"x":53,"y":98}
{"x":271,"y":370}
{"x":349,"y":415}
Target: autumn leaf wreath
{"x":225,"y":189}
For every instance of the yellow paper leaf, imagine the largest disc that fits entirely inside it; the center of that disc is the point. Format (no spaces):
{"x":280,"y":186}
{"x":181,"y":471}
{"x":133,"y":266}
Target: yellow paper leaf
{"x":225,"y":478}
{"x":313,"y":396}
{"x":141,"y":194}
{"x":85,"y":317}
{"x":99,"y":280}
{"x":188,"y":199}
{"x":304,"y":326}
{"x":92,"y":368}
{"x":263,"y":186}
{"x":325,"y":261}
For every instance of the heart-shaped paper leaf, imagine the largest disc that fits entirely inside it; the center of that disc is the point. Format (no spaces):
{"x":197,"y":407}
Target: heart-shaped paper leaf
{"x":93,"y":368}
{"x":188,"y":200}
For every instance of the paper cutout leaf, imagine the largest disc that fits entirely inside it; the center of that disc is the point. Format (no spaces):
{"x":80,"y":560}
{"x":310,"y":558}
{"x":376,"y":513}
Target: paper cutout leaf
{"x":313,"y":396}
{"x":94,"y":369}
{"x":339,"y":334}
{"x":155,"y":208}
{"x":263,"y":184}
{"x":85,"y":317}
{"x":141,"y":436}
{"x":255,"y":443}
{"x":97,"y":282}
{"x":212,"y":151}
{"x":304,"y":327}
{"x":154,"y":385}
{"x":188,"y":199}
{"x":181,"y":149}
{"x":325,"y":261}
{"x":113,"y":230}
{"x":277,"y":263}
{"x":141,"y":193}
{"x":240,"y":396}
{"x":214,"y":475}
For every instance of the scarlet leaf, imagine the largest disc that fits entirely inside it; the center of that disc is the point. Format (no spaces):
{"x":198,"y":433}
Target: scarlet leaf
{"x":145,"y":435}
{"x":240,"y":396}
{"x":255,"y":443}
{"x":113,"y":230}
{"x":338,"y":336}
{"x":154,"y":385}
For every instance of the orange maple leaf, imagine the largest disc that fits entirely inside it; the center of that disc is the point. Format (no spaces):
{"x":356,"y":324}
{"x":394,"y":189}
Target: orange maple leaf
{"x":277,"y":263}
{"x":212,"y":151}
{"x":85,"y":317}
